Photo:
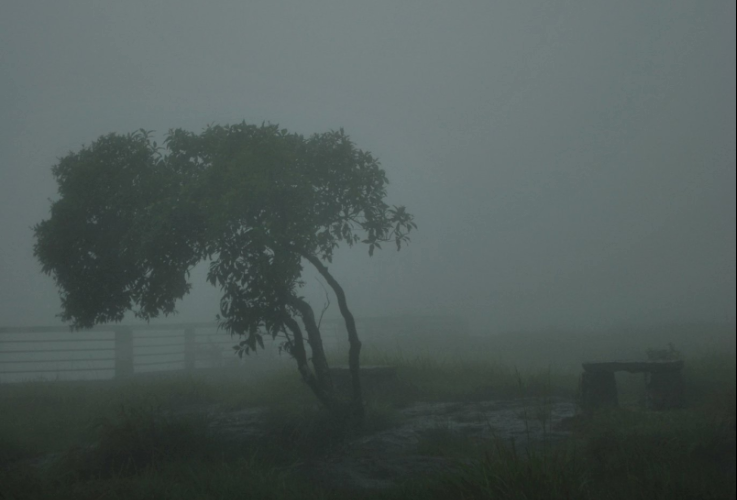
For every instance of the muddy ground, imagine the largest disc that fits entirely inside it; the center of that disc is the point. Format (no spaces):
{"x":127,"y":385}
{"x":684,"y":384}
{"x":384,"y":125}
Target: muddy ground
{"x":381,"y":459}
{"x":385,"y":458}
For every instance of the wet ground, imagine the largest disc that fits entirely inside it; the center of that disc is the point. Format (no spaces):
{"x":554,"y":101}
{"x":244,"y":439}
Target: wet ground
{"x":380,"y":459}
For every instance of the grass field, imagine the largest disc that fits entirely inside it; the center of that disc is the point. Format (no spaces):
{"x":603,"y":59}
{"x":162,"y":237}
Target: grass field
{"x":94,"y":440}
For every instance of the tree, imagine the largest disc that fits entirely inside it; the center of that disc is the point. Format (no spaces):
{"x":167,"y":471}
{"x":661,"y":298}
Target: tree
{"x":257,"y":202}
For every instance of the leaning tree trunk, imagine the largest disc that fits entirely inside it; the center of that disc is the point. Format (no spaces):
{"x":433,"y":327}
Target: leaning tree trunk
{"x":324,"y":394}
{"x":354,"y":350}
{"x":319,"y":361}
{"x":321,"y":382}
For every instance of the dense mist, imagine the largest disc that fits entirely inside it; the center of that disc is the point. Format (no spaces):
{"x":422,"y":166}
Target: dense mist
{"x":570,"y":164}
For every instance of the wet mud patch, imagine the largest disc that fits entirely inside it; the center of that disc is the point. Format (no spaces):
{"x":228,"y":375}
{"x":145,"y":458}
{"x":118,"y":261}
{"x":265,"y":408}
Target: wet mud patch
{"x":418,"y":445}
{"x":386,"y":458}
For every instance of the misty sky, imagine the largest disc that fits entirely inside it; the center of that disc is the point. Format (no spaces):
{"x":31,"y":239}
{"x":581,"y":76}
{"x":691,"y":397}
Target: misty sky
{"x":571,"y":164}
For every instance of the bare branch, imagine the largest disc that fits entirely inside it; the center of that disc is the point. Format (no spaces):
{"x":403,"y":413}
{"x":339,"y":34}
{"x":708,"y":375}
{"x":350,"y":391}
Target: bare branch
{"x":327,"y":304}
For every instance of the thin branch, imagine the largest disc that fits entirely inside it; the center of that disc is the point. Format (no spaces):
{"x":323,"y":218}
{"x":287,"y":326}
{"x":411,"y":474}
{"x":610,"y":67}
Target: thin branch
{"x":327,"y":305}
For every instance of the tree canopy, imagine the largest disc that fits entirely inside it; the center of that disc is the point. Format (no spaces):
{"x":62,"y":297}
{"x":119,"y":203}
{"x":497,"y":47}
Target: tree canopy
{"x":133,"y":218}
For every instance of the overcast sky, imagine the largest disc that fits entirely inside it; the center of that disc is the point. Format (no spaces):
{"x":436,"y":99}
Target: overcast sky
{"x":571,"y":164}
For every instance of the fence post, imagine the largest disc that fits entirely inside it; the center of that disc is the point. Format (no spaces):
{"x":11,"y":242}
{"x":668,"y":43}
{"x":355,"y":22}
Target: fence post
{"x":190,"y":349}
{"x":123,"y":353}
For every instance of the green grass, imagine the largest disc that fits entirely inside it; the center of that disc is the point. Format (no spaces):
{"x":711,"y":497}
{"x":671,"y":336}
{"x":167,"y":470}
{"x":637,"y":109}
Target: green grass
{"x":176,"y":479}
{"x":617,"y":454}
{"x":142,"y":451}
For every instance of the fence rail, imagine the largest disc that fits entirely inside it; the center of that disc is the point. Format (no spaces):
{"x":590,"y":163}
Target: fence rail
{"x":119,"y":354}
{"x":120,"y":351}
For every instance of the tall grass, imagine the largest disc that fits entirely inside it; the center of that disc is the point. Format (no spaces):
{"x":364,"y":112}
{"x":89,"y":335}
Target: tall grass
{"x":130,"y":440}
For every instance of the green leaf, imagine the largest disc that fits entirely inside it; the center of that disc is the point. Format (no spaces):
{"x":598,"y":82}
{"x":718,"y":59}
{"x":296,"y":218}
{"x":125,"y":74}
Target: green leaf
{"x":133,"y":218}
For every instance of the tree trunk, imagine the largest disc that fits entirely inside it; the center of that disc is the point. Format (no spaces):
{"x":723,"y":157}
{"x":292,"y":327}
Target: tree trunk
{"x":354,"y":351}
{"x":319,"y":361}
{"x":300,"y":354}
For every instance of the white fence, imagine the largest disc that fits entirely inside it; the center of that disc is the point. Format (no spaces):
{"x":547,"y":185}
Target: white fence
{"x":120,"y":351}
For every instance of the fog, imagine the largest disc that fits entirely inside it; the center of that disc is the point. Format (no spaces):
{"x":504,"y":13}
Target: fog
{"x":571,"y":165}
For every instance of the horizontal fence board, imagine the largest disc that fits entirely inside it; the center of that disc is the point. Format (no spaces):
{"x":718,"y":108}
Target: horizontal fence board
{"x":58,"y":346}
{"x":53,"y":360}
{"x":160,"y":353}
{"x":106,"y":328}
{"x":139,"y":343}
{"x":53,"y":337}
{"x":62,"y":364}
{"x":111,"y":348}
{"x":160,"y":335}
{"x":34,"y":351}
{"x":55,"y":371}
{"x":57,"y":340}
{"x":154,"y":363}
